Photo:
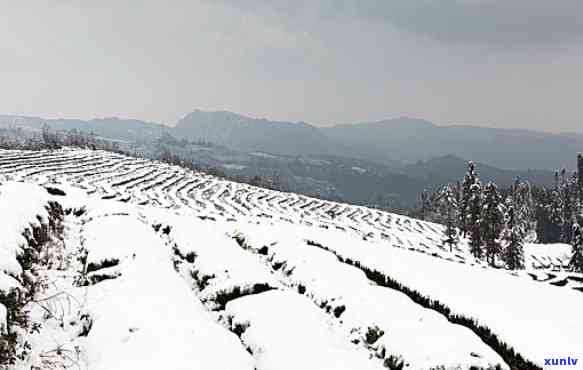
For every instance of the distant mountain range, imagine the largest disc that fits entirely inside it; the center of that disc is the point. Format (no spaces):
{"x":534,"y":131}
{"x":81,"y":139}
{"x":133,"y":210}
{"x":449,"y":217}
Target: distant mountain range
{"x":394,"y":142}
{"x":251,"y":134}
{"x":389,"y":142}
{"x":112,"y":128}
{"x":409,"y":140}
{"x":441,"y":170}
{"x":388,"y":162}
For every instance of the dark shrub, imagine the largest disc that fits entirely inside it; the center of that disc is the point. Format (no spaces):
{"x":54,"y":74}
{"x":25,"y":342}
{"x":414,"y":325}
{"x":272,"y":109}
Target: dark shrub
{"x":55,"y":191}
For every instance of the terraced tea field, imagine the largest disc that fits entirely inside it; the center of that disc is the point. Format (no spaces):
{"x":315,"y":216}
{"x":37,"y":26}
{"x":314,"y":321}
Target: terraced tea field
{"x":139,"y":264}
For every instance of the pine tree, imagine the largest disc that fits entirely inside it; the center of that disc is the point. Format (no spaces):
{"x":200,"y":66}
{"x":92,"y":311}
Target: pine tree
{"x":425,"y":204}
{"x":566,"y":193}
{"x":547,"y":229}
{"x":470,"y":179}
{"x":579,"y":205}
{"x":561,"y":207}
{"x":512,"y":254}
{"x":580,"y":175}
{"x":556,"y":210}
{"x":524,"y":209}
{"x":50,"y":139}
{"x":577,"y":243}
{"x":474,"y":219}
{"x":492,"y":222}
{"x":449,"y":208}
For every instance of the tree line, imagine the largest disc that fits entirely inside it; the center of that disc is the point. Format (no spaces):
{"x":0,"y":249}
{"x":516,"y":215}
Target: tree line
{"x":497,"y":222}
{"x":47,"y":139}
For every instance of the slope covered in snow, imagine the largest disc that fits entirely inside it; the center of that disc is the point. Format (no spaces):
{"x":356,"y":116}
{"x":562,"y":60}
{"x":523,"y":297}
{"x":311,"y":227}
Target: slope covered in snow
{"x":154,"y":266}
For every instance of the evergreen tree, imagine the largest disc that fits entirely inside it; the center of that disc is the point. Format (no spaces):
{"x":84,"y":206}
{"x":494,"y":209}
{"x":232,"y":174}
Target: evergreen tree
{"x":512,"y":254}
{"x":425,"y":204}
{"x":562,"y":210}
{"x":577,"y":243}
{"x":541,"y":214}
{"x":555,"y":209}
{"x":470,"y":179}
{"x":492,"y":222}
{"x":556,"y":212}
{"x":524,"y":209}
{"x":449,"y":208}
{"x":50,"y":139}
{"x":580,"y":175}
{"x":547,"y":229}
{"x":579,"y":204}
{"x":474,"y":219}
{"x":566,"y":192}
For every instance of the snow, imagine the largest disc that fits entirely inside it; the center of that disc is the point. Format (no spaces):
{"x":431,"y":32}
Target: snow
{"x":103,"y":244}
{"x":265,"y":155}
{"x":420,"y":336}
{"x":218,"y":261}
{"x":181,"y":300}
{"x":286,"y":331}
{"x":23,"y":207}
{"x":511,"y":306}
{"x":546,"y":255}
{"x":233,"y":166}
{"x":3,"y":318}
{"x":147,"y":318}
{"x":20,"y":204}
{"x":7,"y":282}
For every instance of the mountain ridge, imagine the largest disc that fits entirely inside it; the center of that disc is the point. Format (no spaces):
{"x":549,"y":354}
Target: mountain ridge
{"x":397,"y":141}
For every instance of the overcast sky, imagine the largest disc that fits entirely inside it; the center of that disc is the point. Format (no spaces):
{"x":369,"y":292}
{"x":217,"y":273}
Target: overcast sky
{"x":498,"y":63}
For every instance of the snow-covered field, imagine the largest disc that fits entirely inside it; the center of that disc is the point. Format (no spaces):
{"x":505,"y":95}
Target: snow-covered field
{"x":157,"y":267}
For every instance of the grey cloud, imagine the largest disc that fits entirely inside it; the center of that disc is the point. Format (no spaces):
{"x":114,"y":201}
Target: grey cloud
{"x":324,"y":61}
{"x":490,"y":22}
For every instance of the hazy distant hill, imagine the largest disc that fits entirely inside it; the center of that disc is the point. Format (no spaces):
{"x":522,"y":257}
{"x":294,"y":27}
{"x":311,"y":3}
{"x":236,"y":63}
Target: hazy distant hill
{"x":114,"y":128}
{"x":448,"y":168}
{"x":388,"y":162}
{"x":350,"y":179}
{"x":394,"y":143}
{"x":410,"y":140}
{"x":252,"y":134}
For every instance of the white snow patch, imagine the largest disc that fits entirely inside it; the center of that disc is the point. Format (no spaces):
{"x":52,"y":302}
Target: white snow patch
{"x":148,"y":318}
{"x":218,"y":259}
{"x":20,"y":204}
{"x":286,"y":331}
{"x":422,"y":337}
{"x":232,"y":166}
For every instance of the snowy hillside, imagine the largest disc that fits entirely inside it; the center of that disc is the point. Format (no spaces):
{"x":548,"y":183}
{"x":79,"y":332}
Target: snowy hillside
{"x":125,"y":263}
